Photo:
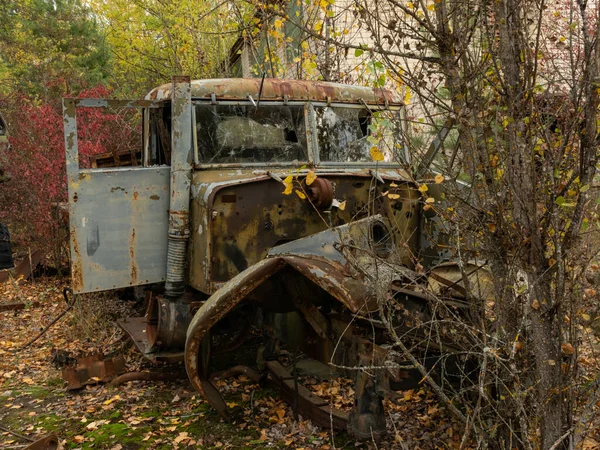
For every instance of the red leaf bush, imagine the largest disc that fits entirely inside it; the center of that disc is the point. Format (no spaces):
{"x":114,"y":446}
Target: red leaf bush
{"x":36,"y":161}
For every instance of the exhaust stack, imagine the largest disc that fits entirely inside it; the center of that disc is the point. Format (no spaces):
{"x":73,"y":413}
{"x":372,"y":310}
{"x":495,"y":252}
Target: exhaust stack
{"x":181,"y":177}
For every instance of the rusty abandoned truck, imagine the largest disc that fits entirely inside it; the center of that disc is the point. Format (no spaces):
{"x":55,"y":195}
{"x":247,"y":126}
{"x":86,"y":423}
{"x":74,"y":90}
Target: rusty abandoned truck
{"x":248,"y":275}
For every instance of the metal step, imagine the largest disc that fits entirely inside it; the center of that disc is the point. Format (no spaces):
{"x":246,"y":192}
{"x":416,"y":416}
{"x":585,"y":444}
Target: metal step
{"x":135,"y":327}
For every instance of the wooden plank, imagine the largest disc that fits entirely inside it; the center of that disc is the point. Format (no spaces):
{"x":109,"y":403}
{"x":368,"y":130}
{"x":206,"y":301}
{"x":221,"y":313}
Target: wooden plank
{"x":14,"y":306}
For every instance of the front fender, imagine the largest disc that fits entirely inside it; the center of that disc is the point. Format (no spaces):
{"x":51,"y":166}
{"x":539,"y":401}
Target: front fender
{"x":333,"y":259}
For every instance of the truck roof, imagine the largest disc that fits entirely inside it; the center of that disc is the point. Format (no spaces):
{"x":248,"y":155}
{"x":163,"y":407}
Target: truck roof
{"x":280,"y":90}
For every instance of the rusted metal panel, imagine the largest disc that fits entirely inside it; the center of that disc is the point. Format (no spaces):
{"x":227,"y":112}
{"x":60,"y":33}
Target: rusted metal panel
{"x":92,"y":369}
{"x":281,"y":90}
{"x":118,"y":223}
{"x":238,"y":215}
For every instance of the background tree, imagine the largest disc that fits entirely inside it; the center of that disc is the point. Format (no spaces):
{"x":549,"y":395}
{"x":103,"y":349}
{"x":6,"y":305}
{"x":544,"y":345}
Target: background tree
{"x":50,"y":48}
{"x":515,"y":84}
{"x":150,"y":40}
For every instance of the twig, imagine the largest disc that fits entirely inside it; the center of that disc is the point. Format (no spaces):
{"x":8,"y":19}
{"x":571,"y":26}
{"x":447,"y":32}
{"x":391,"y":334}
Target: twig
{"x":15,"y":434}
{"x":65,"y":290}
{"x":561,"y":439}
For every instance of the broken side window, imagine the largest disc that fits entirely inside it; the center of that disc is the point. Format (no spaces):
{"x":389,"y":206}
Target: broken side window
{"x":347,"y":134}
{"x":160,"y":136}
{"x":234,"y":134}
{"x":109,"y":137}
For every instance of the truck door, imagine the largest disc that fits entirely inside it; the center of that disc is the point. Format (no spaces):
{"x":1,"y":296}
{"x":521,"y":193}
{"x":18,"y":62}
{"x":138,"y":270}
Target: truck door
{"x":118,"y":215}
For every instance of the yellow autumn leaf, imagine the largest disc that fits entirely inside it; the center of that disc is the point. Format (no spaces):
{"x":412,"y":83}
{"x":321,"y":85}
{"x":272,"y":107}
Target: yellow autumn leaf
{"x":430,"y":200}
{"x":392,"y":184}
{"x":300,"y":194}
{"x":439,"y":178}
{"x":431,"y":7}
{"x":342,"y":205}
{"x":393,"y":196}
{"x":288,"y":189}
{"x":423,"y":188}
{"x":319,"y":26}
{"x":278,"y":24}
{"x":109,"y":401}
{"x":376,"y":154}
{"x":407,"y":96}
{"x":310,"y":177}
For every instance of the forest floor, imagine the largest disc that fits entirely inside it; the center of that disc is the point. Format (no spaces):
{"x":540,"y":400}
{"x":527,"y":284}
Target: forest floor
{"x":34,"y":400}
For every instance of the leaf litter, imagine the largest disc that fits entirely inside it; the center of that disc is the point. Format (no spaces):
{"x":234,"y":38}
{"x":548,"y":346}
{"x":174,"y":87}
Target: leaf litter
{"x":140,"y":414}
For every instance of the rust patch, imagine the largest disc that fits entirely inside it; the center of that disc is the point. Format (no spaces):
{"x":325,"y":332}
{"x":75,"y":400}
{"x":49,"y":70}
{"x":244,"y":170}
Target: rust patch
{"x":76,"y":270}
{"x":154,"y":197}
{"x":278,"y":90}
{"x":134,"y":269}
{"x":135,"y":195}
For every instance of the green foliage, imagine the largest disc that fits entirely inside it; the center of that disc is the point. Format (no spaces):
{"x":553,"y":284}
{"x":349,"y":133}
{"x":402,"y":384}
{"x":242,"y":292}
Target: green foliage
{"x":49,"y":48}
{"x":152,"y":40}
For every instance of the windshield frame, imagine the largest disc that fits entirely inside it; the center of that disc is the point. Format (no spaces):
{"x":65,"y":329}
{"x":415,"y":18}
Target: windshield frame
{"x":311,"y":135}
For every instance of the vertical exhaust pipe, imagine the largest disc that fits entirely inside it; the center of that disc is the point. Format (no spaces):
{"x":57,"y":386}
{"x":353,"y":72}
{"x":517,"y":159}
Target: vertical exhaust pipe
{"x":181,"y":180}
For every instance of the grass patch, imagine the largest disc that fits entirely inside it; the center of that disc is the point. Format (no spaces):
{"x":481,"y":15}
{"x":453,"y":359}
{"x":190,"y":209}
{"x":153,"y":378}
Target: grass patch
{"x":108,"y":434}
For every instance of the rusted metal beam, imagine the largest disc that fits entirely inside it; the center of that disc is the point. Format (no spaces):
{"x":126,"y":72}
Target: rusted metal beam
{"x":309,"y":405}
{"x":283,"y":90}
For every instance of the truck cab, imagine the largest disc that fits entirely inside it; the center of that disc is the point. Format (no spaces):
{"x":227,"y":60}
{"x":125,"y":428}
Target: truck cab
{"x":281,"y":206}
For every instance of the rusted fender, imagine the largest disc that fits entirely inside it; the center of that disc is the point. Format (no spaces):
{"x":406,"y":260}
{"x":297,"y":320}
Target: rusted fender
{"x":214,"y":309}
{"x":322,"y":258}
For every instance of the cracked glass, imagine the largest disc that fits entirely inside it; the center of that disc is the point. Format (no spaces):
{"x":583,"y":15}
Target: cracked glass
{"x":239,"y":134}
{"x":348,"y":134}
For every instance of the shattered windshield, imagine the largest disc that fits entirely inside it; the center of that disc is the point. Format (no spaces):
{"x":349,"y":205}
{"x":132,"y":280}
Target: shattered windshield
{"x":348,"y":134}
{"x":229,"y":134}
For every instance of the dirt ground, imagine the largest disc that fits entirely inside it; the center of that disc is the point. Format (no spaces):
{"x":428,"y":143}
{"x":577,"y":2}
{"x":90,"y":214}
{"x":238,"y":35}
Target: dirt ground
{"x":34,"y":401}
